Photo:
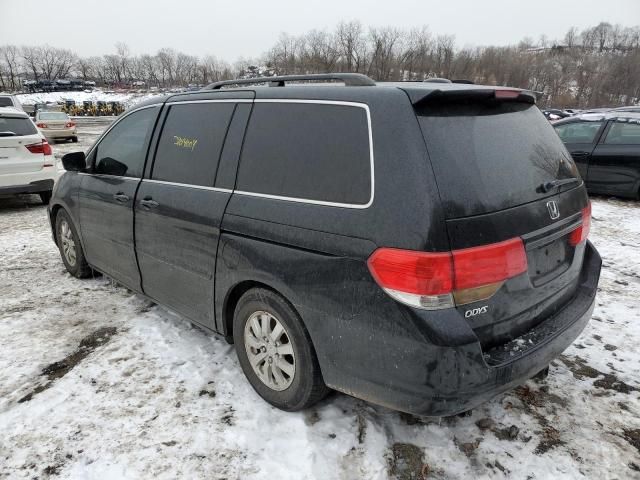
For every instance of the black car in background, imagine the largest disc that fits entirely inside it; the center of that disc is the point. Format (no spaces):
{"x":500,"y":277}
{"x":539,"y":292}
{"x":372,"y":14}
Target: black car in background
{"x":606,"y":148}
{"x":422,"y":246}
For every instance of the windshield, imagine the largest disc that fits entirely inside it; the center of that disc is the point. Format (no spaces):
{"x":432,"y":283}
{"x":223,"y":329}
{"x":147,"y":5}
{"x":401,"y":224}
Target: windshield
{"x":53,"y":116}
{"x":488,"y":156}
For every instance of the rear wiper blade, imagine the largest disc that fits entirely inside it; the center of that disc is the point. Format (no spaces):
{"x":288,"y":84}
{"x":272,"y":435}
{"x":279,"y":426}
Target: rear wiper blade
{"x":7,"y":134}
{"x":548,"y":186}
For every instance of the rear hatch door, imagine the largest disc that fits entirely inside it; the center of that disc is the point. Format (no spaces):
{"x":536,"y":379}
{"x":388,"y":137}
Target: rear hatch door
{"x":16,"y":133}
{"x":503,"y":173}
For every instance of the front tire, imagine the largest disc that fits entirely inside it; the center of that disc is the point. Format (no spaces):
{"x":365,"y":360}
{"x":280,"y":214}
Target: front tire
{"x":275,"y":351}
{"x":70,"y":247}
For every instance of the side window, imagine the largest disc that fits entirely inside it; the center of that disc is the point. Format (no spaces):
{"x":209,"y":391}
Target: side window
{"x":121,"y":152}
{"x":191,"y":142}
{"x":578,"y":132}
{"x":307,"y":151}
{"x":624,"y":133}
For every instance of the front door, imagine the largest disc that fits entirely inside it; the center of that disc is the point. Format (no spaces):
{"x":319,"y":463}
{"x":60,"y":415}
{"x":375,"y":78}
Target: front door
{"x":615,"y":163}
{"x":178,"y":211}
{"x":107,"y":194}
{"x":580,"y":138}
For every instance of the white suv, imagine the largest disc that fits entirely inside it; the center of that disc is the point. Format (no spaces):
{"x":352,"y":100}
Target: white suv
{"x":10,"y":101}
{"x":27,"y":164}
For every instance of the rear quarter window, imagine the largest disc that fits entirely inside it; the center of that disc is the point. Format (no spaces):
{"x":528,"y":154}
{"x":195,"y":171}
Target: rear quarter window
{"x":5,"y":102}
{"x":19,"y":126}
{"x":191,"y":141}
{"x":308,"y":151}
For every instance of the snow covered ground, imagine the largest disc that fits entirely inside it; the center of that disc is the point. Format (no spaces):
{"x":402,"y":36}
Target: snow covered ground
{"x":128,"y":99}
{"x":98,"y":383}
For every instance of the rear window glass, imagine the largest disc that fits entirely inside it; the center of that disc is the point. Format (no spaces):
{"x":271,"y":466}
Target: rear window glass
{"x":624,"y":133}
{"x":488,"y":156}
{"x":578,"y":132}
{"x":308,"y":151}
{"x":5,"y":102}
{"x":52,"y":116}
{"x":191,"y":141}
{"x":17,"y":126}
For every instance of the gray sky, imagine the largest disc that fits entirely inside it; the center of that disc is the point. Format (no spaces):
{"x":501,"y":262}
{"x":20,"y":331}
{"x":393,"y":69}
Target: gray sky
{"x":247,"y":28}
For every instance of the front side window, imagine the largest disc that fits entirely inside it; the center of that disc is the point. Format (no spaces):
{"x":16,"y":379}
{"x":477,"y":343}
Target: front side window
{"x":625,"y":132}
{"x":191,"y":141}
{"x":308,"y":151}
{"x":122,"y":151}
{"x":578,"y":132}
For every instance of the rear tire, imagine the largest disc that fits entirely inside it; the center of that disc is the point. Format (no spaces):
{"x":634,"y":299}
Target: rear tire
{"x":74,"y":139}
{"x":270,"y":334}
{"x":45,"y":197}
{"x":70,"y":247}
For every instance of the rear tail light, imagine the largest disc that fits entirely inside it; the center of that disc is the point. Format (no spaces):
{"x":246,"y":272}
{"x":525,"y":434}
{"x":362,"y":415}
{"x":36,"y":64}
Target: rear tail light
{"x":41,"y":125}
{"x":70,"y":125}
{"x":581,"y":233}
{"x":42,"y":148}
{"x":441,"y":280}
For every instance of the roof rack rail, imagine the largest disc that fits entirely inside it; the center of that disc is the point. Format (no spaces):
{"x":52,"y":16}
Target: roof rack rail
{"x":436,"y":80}
{"x":349,"y":79}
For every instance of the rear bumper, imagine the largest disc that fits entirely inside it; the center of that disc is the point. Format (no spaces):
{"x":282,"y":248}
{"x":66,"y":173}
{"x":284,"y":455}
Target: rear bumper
{"x":63,"y":133}
{"x":439,"y":380}
{"x":33,"y":187}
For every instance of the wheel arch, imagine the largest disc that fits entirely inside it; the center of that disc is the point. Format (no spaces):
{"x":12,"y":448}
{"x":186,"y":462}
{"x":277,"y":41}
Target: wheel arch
{"x":233,"y":297}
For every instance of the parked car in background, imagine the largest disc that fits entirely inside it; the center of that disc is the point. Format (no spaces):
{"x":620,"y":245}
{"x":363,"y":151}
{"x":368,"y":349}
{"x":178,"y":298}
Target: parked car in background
{"x":10,"y":101}
{"x":555,"y":114}
{"x":606,"y":149}
{"x":27,"y":164}
{"x":56,"y":125}
{"x":422,"y":246}
{"x":631,"y":109}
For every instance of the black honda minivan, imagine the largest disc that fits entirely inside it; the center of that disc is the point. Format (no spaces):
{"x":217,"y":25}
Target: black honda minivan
{"x":421,"y":246}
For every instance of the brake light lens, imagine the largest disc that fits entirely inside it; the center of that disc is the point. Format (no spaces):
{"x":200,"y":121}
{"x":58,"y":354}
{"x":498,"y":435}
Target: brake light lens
{"x":70,"y":125}
{"x":41,"y":125}
{"x":507,"y":94}
{"x":41,"y":148}
{"x":581,"y":233}
{"x":445,"y":279}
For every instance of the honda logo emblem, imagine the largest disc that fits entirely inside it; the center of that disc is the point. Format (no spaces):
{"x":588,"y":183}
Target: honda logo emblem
{"x":554,"y":211}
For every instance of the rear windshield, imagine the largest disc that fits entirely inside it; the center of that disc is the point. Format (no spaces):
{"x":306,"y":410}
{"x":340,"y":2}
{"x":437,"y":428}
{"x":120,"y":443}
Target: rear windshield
{"x":488,"y":156}
{"x":17,"y":126}
{"x":52,"y":116}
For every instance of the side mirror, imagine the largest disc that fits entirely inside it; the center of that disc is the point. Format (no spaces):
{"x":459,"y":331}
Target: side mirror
{"x":74,"y":162}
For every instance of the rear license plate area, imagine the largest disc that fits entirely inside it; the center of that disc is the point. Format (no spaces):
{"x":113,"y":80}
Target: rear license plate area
{"x":548,"y":261}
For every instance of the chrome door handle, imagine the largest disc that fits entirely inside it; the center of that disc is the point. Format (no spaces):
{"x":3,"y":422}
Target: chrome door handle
{"x":149,"y":203}
{"x":121,"y":197}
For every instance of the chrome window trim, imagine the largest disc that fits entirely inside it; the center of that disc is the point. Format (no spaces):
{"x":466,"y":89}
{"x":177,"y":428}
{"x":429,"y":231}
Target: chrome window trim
{"x":323,"y":202}
{"x":106,"y":175}
{"x":200,"y":187}
{"x":255,"y":194}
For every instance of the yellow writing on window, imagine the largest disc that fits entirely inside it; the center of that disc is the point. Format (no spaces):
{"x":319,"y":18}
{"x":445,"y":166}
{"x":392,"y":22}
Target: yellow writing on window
{"x":184,"y":142}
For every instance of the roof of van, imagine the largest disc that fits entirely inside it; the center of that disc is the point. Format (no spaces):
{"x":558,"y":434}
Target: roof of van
{"x":416,"y":91}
